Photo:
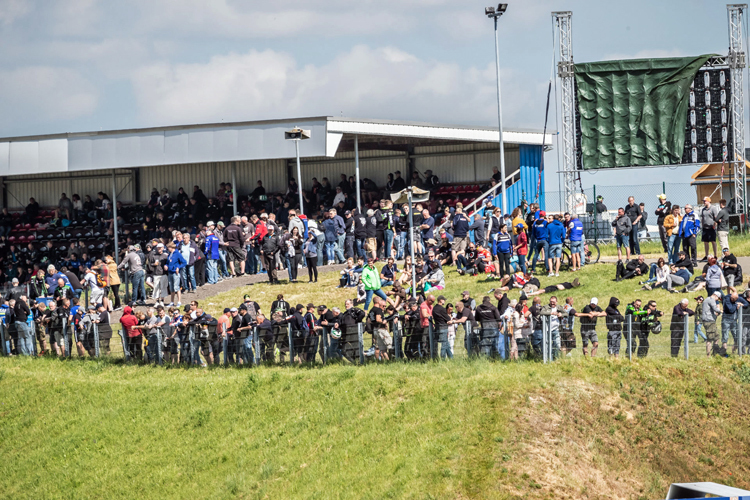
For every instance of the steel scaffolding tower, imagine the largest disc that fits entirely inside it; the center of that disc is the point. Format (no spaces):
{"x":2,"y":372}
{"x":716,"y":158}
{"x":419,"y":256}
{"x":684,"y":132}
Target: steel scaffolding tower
{"x":736,"y":59}
{"x":563,"y":21}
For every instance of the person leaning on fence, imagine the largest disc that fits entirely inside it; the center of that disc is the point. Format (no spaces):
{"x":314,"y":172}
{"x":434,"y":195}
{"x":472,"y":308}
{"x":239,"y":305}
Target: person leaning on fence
{"x":709,"y":314}
{"x":589,"y":316}
{"x":133,"y":335}
{"x":383,"y":341}
{"x":105,"y":329}
{"x":615,"y":322}
{"x":677,"y":325}
{"x":21,"y":313}
{"x":40,"y":312}
{"x":744,"y":328}
{"x":555,"y":312}
{"x":441,"y":320}
{"x":729,"y":319}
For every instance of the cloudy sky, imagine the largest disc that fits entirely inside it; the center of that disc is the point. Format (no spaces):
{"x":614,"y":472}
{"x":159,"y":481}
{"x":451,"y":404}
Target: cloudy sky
{"x":94,"y":65}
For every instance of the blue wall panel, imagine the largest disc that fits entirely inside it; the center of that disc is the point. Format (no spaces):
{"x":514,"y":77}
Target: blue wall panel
{"x":526,"y":187}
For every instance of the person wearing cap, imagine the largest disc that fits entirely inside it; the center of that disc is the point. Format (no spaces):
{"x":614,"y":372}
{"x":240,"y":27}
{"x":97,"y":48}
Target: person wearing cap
{"x":133,"y":263}
{"x":729,"y":319}
{"x":589,"y":316}
{"x":677,"y":325}
{"x":709,"y":216}
{"x":157,"y":264}
{"x":663,"y":210}
{"x":729,"y":267}
{"x":541,"y":238}
{"x":710,"y":312}
{"x":574,"y":228}
{"x":212,"y":255}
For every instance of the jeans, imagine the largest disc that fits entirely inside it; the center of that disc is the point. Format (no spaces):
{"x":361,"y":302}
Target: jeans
{"x":25,"y":339}
{"x":501,"y":346}
{"x":728,"y":325}
{"x":247,"y":349}
{"x":212,"y":266}
{"x":320,"y":243}
{"x":698,"y":332}
{"x":555,"y":343}
{"x":635,"y":247}
{"x":401,"y":245}
{"x":139,"y":285}
{"x":187,"y":274}
{"x":673,"y":245}
{"x":224,"y":271}
{"x":445,"y":349}
{"x":386,"y":283}
{"x":388,"y":236}
{"x":334,"y":351}
{"x":522,"y":263}
{"x":540,"y":245}
{"x":369,"y":293}
{"x":536,"y":342}
{"x":153,"y":348}
{"x":251,"y":261}
{"x":360,"y":247}
{"x":340,"y":248}
{"x":330,"y":252}
{"x":577,"y":247}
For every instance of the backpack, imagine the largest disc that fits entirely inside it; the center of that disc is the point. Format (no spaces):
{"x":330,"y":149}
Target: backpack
{"x":100,"y":281}
{"x":738,"y":275}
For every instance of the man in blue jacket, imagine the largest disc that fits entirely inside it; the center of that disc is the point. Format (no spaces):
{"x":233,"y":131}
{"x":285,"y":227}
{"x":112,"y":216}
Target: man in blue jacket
{"x":689,"y":227}
{"x":541,"y":240}
{"x":212,"y":256}
{"x":575,"y":233}
{"x":556,"y":235}
{"x":175,"y":263}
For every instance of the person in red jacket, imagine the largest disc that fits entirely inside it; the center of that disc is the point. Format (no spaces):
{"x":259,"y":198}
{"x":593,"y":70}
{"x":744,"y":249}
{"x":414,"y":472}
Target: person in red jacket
{"x":135,"y":339}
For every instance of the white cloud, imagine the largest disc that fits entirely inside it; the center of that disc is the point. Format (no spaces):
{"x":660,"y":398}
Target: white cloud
{"x":645,"y":54}
{"x":366,"y":82}
{"x":11,"y":10}
{"x":38,"y":94}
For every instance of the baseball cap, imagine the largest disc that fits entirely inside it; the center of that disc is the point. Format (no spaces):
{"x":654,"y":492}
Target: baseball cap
{"x":210,"y":223}
{"x":246,"y":297}
{"x":662,"y":196}
{"x":348,"y":212}
{"x":594,"y":301}
{"x":519,"y":226}
{"x":542,"y":213}
{"x":220,"y":223}
{"x":243,"y":307}
{"x":717,"y":293}
{"x":160,"y":245}
{"x":465,"y":292}
{"x":234,"y":310}
{"x":14,"y":280}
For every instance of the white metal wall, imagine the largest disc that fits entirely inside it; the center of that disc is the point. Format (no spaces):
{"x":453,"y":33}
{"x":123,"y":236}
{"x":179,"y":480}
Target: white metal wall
{"x":46,"y":188}
{"x":469,"y":163}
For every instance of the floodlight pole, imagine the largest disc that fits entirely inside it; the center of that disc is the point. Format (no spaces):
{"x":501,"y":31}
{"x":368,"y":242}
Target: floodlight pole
{"x":411,"y":244}
{"x":563,"y":21}
{"x":299,"y":178}
{"x":356,"y":169}
{"x":495,"y":15}
{"x":114,"y":216}
{"x":737,"y":62}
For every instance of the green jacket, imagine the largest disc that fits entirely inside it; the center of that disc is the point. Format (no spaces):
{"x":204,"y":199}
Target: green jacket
{"x":371,"y":278}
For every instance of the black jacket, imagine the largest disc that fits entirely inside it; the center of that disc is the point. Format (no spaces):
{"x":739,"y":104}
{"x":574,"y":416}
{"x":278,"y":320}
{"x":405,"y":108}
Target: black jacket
{"x":270,"y":245}
{"x":614,"y":318}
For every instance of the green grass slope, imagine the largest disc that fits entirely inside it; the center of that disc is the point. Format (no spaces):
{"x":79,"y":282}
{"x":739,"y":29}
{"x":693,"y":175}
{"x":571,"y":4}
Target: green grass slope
{"x":479,"y":429}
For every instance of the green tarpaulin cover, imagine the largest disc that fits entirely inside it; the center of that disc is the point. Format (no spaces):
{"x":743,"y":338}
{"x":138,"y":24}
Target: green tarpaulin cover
{"x":633,"y":112}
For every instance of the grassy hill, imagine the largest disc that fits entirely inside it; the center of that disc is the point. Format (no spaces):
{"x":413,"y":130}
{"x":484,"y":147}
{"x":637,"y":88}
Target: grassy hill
{"x":597,"y":429}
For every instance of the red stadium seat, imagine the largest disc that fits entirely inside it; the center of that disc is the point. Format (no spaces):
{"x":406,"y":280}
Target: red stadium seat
{"x":22,"y":238}
{"x":31,"y":237}
{"x":12,"y":239}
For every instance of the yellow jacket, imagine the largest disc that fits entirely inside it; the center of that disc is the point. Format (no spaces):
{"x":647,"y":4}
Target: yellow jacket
{"x":517,"y":221}
{"x":671,"y":222}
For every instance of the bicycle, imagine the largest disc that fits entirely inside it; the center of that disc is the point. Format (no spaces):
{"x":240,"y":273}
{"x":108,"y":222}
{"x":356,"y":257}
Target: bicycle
{"x":590,"y":250}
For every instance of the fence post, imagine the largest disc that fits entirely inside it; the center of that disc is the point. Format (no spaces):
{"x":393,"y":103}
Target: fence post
{"x":740,"y":331}
{"x":467,"y":338}
{"x":431,"y":333}
{"x":630,"y":337}
{"x":191,"y":339}
{"x":325,"y":345}
{"x":125,"y":351}
{"x":397,"y":339}
{"x":550,"y":344}
{"x":3,"y":347}
{"x":360,"y":343}
{"x":291,"y":346}
{"x":687,"y":336}
{"x":86,"y":296}
{"x":66,"y":337}
{"x":256,"y":343}
{"x":97,"y":353}
{"x":544,"y":339}
{"x":225,"y":343}
{"x":159,"y":351}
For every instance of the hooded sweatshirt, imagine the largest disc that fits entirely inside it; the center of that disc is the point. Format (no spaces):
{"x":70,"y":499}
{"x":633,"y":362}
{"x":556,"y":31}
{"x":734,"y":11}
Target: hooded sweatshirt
{"x":614,"y":318}
{"x":128,"y":321}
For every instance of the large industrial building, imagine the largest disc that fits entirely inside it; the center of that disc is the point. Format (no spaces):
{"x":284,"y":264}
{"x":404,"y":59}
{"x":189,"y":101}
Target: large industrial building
{"x":182,"y":156}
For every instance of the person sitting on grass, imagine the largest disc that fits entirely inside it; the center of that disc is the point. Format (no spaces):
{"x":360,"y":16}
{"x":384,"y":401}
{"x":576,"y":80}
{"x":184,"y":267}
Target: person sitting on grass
{"x":634,"y":267}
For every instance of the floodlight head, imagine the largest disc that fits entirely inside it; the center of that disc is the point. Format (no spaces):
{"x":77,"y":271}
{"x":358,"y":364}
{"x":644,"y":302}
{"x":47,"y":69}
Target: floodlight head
{"x":296,"y":134}
{"x":489,"y":11}
{"x":502,"y":7}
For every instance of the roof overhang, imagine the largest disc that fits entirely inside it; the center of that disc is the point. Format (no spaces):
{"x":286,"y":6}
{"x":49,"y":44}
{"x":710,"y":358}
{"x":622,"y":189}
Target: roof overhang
{"x":224,"y":142}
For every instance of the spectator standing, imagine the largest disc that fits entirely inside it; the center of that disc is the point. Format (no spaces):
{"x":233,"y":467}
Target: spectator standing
{"x":722,"y":225}
{"x":371,"y":280}
{"x":521,"y":248}
{"x":175,"y":263}
{"x":460,"y":225}
{"x":310,"y":250}
{"x":504,"y":247}
{"x":589,"y":316}
{"x":331,"y":238}
{"x":21,"y":314}
{"x":662,"y":211}
{"x":729,"y":319}
{"x":541,"y":237}
{"x":233,"y":237}
{"x":340,"y":235}
{"x":268,"y":251}
{"x":132,"y":262}
{"x":671,"y":225}
{"x":709,"y":314}
{"x":634,"y":213}
{"x":556,"y":236}
{"x":212,"y":255}
{"x":113,"y":280}
{"x":709,"y":215}
{"x":689,"y":227}
{"x":188,"y":250}
{"x":575,"y":234}
{"x":677,"y":325}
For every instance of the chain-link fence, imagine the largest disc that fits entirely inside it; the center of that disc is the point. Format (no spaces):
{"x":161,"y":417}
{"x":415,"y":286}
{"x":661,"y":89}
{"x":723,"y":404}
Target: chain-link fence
{"x":558,"y":333}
